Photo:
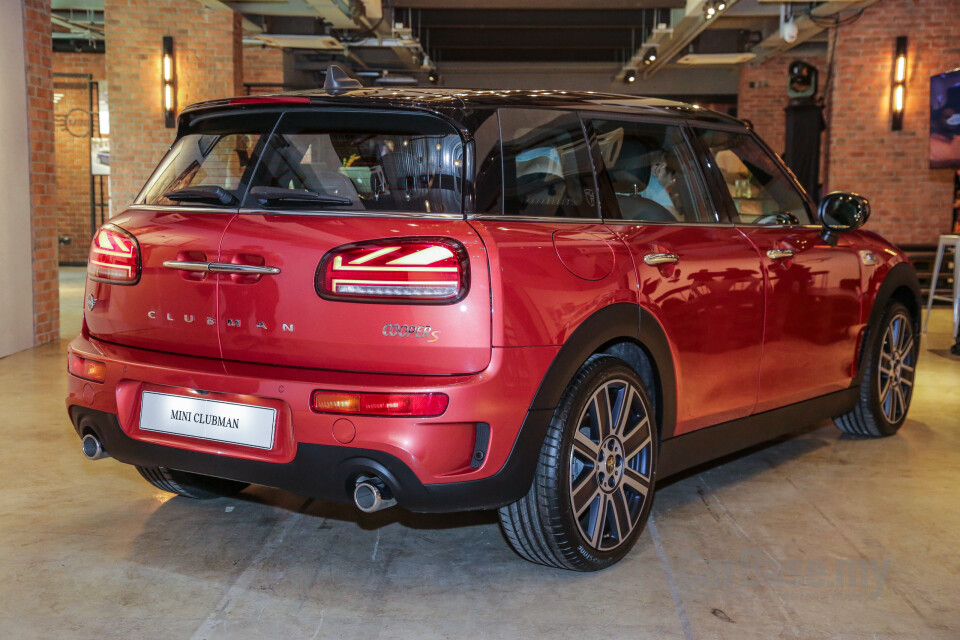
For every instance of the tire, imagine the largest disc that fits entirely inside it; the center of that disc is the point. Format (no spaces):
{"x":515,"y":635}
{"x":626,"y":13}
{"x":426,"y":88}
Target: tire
{"x":191,"y":485}
{"x":590,"y":477}
{"x":889,"y":369}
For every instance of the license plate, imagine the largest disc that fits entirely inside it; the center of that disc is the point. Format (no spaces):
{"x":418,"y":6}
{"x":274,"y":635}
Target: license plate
{"x":215,"y":420}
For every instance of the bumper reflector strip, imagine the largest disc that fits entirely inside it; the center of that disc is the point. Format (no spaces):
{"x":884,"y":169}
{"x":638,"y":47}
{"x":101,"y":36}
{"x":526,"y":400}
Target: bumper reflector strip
{"x":86,"y":369}
{"x":421,"y":405}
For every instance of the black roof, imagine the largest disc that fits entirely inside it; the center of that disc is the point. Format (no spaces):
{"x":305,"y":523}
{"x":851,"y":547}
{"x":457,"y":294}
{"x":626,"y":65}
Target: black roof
{"x":461,"y":104}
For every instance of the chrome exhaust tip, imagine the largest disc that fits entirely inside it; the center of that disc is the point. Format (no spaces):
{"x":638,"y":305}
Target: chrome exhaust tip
{"x":371,"y":494}
{"x":92,"y":448}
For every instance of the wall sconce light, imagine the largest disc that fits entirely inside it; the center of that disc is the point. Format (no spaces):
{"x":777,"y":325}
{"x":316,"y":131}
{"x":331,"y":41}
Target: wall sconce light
{"x":899,"y":88}
{"x":168,"y":83}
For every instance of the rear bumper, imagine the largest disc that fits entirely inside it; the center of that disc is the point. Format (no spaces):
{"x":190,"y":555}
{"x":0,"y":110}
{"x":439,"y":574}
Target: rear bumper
{"x":425,"y":461}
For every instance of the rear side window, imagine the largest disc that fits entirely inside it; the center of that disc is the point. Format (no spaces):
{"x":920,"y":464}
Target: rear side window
{"x":651,"y":170}
{"x":546,"y":165}
{"x":374,"y":161}
{"x":760,"y":190}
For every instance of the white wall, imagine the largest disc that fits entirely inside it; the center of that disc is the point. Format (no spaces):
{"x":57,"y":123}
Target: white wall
{"x":16,"y":257}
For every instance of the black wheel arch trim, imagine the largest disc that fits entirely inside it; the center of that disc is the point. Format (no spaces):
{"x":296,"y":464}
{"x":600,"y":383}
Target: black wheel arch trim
{"x":610,"y":325}
{"x":902,"y":275}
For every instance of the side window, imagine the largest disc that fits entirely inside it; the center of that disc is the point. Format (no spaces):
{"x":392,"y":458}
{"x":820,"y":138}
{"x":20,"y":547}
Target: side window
{"x":489,"y":166}
{"x":760,"y":190}
{"x":651,"y":170}
{"x":546,"y":165}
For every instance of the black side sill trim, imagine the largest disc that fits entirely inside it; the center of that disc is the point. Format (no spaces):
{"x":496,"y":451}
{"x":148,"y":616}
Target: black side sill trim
{"x":691,"y":449}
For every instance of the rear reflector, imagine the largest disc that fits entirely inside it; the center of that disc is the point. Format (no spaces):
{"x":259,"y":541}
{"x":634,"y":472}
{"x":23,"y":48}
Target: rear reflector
{"x":408,"y":270}
{"x":86,"y":369}
{"x":114,"y":256}
{"x":420,"y":405}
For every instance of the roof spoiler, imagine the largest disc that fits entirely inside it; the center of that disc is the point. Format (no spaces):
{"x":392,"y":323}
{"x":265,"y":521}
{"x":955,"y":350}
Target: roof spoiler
{"x":339,"y":81}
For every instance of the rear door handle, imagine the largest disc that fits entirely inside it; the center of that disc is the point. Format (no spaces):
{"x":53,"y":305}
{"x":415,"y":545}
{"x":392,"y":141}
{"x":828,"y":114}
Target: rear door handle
{"x":654,"y":259}
{"x":779,"y":254}
{"x":222,"y":267}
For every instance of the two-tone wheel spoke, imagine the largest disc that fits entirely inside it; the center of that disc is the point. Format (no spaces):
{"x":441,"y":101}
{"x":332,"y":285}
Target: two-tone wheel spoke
{"x":634,"y":480}
{"x":621,"y":522}
{"x":585,"y":495}
{"x":585,"y":447}
{"x":638,"y":439}
{"x":600,"y":413}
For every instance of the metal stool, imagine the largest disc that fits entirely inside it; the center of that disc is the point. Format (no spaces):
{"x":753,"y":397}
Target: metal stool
{"x":952,"y":241}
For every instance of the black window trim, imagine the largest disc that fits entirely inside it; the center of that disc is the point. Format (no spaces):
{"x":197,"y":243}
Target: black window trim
{"x":705,"y":199}
{"x":250,"y":172}
{"x":718,"y":185}
{"x":598,"y":219}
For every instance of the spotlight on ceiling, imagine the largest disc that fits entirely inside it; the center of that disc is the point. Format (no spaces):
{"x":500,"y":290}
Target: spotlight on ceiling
{"x":713,"y":7}
{"x":630,"y":76}
{"x":650,"y":55}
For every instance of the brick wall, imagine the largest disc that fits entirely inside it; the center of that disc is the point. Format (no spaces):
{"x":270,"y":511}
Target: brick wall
{"x":71,"y":109}
{"x":263,"y":64}
{"x":762,"y":96}
{"x":39,"y":69}
{"x":207,"y":57}
{"x":911,"y":202}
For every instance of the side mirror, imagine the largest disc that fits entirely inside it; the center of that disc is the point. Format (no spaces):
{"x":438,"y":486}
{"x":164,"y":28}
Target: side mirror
{"x":839,"y":212}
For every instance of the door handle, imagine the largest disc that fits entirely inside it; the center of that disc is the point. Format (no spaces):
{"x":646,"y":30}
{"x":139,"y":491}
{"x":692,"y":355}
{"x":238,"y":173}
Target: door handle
{"x":779,"y":254}
{"x":222,"y":267}
{"x":654,"y":259}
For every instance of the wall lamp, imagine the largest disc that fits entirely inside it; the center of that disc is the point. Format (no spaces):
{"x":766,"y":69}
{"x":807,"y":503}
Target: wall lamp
{"x":168,"y":83}
{"x":899,"y":88}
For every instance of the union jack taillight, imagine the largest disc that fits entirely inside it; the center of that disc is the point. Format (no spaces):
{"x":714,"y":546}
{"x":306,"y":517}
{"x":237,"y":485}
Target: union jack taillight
{"x":114,"y":256}
{"x":405,"y":270}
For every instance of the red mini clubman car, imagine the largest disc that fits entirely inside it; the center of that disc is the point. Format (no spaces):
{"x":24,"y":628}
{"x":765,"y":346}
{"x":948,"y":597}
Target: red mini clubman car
{"x":531,"y":301}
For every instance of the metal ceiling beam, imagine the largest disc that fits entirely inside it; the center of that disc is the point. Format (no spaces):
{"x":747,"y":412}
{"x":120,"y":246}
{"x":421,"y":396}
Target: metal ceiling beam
{"x":684,"y":33}
{"x":77,"y":28}
{"x":806,"y":29}
{"x":539,"y":5}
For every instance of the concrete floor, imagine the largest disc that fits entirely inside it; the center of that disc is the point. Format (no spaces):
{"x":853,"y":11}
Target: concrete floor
{"x":817,"y":536}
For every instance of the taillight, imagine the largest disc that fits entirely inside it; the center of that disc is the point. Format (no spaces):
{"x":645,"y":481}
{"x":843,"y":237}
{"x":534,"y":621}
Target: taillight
{"x":408,"y":270}
{"x":86,"y":369}
{"x":114,"y":256}
{"x":419,"y":405}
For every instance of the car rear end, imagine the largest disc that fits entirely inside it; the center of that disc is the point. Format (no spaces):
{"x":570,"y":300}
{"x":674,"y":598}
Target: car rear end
{"x":296,"y":299}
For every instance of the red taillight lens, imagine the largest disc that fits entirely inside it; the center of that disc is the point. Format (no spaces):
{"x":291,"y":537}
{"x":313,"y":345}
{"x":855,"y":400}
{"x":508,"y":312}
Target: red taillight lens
{"x":114,"y":256}
{"x":409,"y":270}
{"x":86,"y":369}
{"x":420,"y":405}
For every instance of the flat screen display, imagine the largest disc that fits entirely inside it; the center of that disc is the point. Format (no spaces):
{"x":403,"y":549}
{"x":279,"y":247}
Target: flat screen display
{"x":945,"y":120}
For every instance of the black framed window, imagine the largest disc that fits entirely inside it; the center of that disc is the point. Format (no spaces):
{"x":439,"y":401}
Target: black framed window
{"x":760,"y":191}
{"x":546,"y":165}
{"x":216,"y":151}
{"x":488,"y":183}
{"x":373,"y":161}
{"x":651,"y":170}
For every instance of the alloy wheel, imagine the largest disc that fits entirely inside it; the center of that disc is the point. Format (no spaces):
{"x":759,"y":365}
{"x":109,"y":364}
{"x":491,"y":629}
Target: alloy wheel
{"x":611,"y":464}
{"x":897,"y":367}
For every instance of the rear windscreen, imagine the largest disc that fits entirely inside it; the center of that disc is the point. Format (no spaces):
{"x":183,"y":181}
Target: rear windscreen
{"x":329,"y":160}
